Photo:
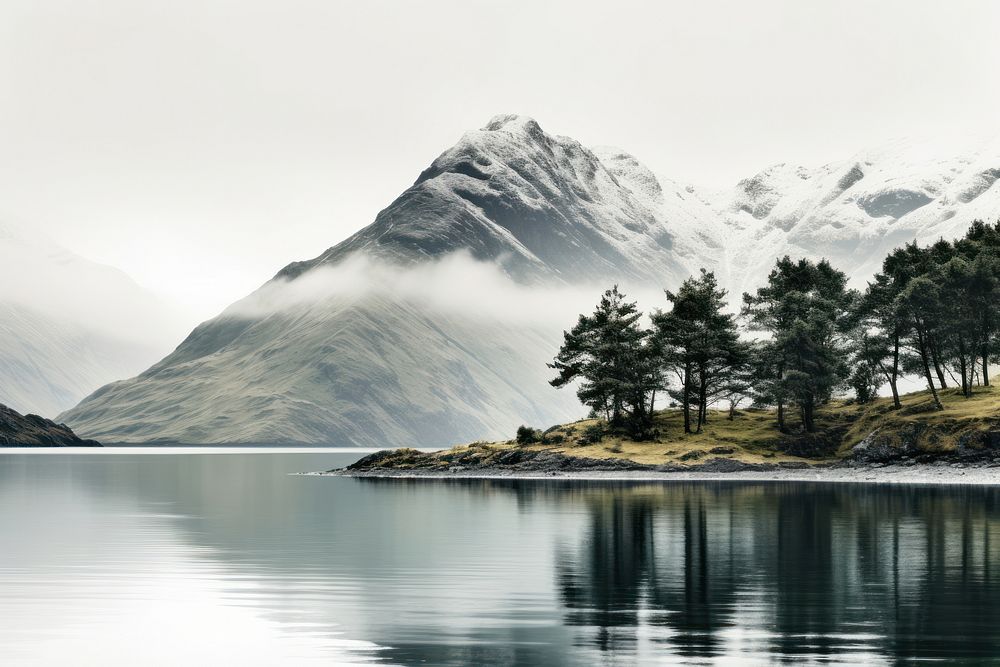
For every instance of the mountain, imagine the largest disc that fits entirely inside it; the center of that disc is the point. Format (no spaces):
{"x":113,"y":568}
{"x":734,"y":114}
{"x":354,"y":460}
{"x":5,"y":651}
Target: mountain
{"x":48,"y":363}
{"x":384,"y":367}
{"x":388,"y":339}
{"x":69,"y":325}
{"x":851,"y":212}
{"x":369,"y":372}
{"x":17,"y":430}
{"x":541,"y":206}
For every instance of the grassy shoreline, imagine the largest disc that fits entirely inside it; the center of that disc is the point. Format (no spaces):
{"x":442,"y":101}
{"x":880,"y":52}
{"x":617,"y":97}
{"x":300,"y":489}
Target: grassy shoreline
{"x":874,"y":434}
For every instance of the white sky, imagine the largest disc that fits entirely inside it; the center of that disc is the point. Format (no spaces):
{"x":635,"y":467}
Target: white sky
{"x":200,"y":145}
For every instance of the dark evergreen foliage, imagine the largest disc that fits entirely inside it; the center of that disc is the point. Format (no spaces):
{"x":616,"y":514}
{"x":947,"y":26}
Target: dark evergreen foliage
{"x":700,"y":344}
{"x":804,"y":310}
{"x":931,"y":312}
{"x":615,"y":362}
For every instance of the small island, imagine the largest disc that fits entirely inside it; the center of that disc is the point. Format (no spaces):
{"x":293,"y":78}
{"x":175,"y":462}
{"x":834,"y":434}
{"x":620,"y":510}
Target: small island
{"x":819,"y":364}
{"x":872,"y":442}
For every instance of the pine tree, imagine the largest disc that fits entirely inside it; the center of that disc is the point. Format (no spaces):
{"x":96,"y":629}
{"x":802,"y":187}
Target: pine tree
{"x":926,"y":342}
{"x":922,"y":301}
{"x":968,"y":300}
{"x":700,"y":344}
{"x":610,"y":354}
{"x":880,"y":329}
{"x":804,"y":309}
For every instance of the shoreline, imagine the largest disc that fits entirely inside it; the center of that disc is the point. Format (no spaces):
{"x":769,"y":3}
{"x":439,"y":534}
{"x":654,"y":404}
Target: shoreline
{"x":923,"y":474}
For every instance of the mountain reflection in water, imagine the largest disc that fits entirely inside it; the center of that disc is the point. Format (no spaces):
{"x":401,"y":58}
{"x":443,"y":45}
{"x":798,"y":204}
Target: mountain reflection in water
{"x":226,"y":556}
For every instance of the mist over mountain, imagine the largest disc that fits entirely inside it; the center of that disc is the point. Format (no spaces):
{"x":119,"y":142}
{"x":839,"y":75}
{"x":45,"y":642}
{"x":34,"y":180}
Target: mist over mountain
{"x":69,"y":325}
{"x":388,"y":339}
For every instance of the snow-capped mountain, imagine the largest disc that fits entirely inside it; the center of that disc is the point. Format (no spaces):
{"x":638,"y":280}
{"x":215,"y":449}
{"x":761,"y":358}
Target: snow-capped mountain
{"x":324,"y":353}
{"x":387,"y":367}
{"x":541,"y":206}
{"x":851,"y":212}
{"x":69,"y":325}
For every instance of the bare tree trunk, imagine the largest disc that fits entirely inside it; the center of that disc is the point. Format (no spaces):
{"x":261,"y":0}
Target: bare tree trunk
{"x":937,"y":366}
{"x":807,"y":418}
{"x":973,"y":368}
{"x":962,"y":367}
{"x":922,"y":348}
{"x":702,"y":389}
{"x":891,"y":373}
{"x":894,"y":380}
{"x":686,"y":397}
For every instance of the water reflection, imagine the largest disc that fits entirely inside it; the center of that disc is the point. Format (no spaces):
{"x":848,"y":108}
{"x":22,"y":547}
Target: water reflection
{"x":832,"y":573}
{"x":227,"y":557}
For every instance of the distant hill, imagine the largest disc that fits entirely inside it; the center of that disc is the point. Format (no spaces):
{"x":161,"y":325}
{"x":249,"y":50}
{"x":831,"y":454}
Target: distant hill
{"x":17,"y":430}
{"x":69,"y":325}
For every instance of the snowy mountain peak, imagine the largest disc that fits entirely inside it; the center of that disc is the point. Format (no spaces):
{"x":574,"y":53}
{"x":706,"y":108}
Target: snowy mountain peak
{"x":512,"y":122}
{"x":541,"y":206}
{"x":631,"y":174}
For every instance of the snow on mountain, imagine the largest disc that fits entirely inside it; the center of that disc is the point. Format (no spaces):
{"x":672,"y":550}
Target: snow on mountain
{"x":355,"y":365}
{"x":69,"y":325}
{"x":541,"y":206}
{"x":851,"y":212}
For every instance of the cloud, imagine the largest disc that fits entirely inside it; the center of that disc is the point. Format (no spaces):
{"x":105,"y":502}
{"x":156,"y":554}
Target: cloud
{"x":454,"y":285}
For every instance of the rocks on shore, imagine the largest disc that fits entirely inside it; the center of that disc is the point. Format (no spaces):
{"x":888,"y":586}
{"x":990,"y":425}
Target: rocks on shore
{"x":483,"y":459}
{"x":17,"y":430}
{"x":922,"y":443}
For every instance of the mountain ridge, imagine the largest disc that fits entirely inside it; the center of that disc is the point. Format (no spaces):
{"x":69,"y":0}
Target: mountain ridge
{"x":545,"y":211}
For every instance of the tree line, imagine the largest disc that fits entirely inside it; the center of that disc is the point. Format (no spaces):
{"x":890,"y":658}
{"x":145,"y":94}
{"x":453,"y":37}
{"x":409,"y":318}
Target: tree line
{"x":798,"y":341}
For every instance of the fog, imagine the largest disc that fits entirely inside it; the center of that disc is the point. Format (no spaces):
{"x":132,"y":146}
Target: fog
{"x":455,"y":284}
{"x":38,"y":274}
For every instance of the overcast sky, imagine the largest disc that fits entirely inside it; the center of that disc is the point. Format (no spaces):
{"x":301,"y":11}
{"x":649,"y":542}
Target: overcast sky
{"x":200,"y":145}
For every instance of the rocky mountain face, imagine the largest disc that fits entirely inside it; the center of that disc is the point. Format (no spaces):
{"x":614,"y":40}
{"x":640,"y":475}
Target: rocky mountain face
{"x":318,"y":355}
{"x":851,"y":212}
{"x":17,"y":430}
{"x":541,"y":206}
{"x":68,"y":325}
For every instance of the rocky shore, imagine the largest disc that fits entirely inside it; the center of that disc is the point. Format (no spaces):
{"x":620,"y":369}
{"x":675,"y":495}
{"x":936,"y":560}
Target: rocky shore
{"x":855,"y":443}
{"x":479,"y":462}
{"x":17,"y":430}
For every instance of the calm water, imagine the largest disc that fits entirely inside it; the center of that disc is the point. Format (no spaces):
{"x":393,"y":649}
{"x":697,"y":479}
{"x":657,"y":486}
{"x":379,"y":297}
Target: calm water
{"x":225,"y":559}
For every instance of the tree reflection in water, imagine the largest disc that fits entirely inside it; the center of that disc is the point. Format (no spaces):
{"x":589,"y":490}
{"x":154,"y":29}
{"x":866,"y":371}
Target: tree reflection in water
{"x":798,"y":571}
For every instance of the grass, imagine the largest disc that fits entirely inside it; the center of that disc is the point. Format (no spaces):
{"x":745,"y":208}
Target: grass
{"x":753,"y":437}
{"x":943,"y":429}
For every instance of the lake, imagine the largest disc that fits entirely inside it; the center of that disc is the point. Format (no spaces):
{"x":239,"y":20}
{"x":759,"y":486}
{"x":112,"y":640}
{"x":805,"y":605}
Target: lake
{"x":225,"y":558}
